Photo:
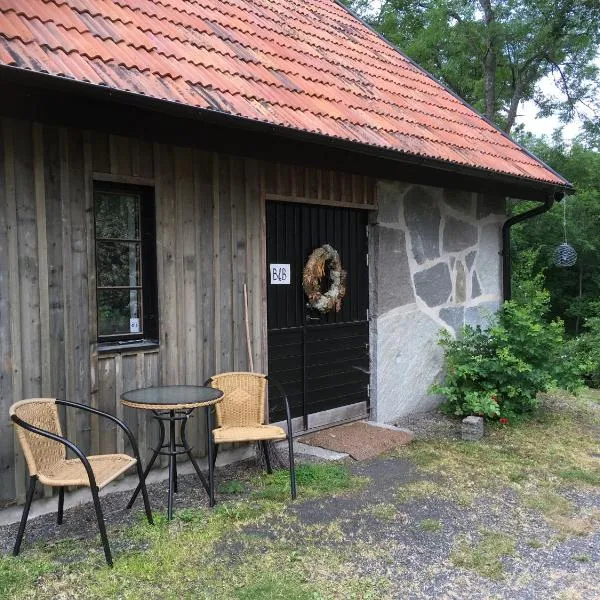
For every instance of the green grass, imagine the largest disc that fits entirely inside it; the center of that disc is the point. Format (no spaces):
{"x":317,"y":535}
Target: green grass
{"x":431,"y":525}
{"x":314,"y":479}
{"x":583,"y":558}
{"x":536,"y":459}
{"x":17,"y":574}
{"x":383,"y":511}
{"x":585,"y":476}
{"x":591,"y":395}
{"x":272,"y":587}
{"x":485,"y":556}
{"x":232,"y":487}
{"x":184,"y":558}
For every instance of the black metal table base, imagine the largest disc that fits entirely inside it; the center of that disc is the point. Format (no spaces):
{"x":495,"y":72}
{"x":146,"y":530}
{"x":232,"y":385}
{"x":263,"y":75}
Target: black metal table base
{"x":172,"y":449}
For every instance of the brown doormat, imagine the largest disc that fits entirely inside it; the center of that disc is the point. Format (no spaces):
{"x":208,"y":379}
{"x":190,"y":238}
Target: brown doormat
{"x":360,"y":440}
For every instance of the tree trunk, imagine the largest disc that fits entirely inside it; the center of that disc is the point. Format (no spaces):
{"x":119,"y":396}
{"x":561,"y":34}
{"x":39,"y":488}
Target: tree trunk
{"x":490,"y":62}
{"x":490,"y":83}
{"x":514,"y":105}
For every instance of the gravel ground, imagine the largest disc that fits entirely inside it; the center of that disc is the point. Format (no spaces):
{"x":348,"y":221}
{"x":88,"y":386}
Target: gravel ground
{"x":413,"y":558}
{"x":429,"y":425}
{"x":80,"y":522}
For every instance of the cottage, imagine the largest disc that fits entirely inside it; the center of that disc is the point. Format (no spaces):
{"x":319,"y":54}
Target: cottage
{"x":163,"y":161}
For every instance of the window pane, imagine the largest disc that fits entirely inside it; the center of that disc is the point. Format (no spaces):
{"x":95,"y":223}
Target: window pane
{"x":119,"y":312}
{"x":118,"y":263}
{"x":117,"y":215}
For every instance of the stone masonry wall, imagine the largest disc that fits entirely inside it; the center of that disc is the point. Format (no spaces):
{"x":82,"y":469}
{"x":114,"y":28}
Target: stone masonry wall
{"x":435,"y":264}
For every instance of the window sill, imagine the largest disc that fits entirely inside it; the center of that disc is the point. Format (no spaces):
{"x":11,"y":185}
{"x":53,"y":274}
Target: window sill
{"x":133,"y":346}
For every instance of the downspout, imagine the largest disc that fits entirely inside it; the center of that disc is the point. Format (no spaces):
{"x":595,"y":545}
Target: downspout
{"x":552,"y":197}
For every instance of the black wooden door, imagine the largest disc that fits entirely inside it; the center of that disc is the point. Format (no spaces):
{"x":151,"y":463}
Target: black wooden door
{"x":322,"y":360}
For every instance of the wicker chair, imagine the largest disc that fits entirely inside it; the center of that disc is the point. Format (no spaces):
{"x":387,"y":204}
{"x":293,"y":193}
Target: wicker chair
{"x":45,"y":450}
{"x":241,"y":416}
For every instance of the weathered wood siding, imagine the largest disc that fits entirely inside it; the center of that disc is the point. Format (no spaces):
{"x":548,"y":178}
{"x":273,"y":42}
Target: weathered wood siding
{"x":210,"y":241}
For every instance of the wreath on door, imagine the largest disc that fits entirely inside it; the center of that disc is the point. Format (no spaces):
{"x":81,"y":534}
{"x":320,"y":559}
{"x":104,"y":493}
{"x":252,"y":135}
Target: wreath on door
{"x":314,"y":271}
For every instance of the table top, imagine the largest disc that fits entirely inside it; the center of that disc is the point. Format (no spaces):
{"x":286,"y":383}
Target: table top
{"x":172,"y":397}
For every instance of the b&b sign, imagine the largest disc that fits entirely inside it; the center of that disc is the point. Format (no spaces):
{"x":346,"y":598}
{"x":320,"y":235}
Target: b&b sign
{"x":280,"y":274}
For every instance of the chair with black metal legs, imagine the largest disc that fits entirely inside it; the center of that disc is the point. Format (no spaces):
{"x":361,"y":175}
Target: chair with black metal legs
{"x":241,"y":416}
{"x":45,"y":450}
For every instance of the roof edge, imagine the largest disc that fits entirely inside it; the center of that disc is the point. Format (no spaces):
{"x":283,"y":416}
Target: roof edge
{"x":175,"y":109}
{"x":450,"y":91}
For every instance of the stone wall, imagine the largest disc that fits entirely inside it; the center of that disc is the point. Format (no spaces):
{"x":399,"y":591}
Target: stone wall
{"x":435,"y":264}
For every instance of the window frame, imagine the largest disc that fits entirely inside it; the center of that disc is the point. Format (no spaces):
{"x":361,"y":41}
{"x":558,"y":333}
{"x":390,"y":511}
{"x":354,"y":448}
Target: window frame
{"x":149,"y":335}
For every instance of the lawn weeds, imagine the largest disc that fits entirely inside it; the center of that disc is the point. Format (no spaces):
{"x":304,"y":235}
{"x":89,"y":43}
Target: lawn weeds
{"x":485,"y":556}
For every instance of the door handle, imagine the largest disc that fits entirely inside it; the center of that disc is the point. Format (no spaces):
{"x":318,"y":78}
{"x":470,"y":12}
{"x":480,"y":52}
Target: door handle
{"x":309,"y":318}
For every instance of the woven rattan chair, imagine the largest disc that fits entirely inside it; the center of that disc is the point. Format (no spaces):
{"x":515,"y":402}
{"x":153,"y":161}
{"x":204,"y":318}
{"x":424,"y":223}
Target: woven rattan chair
{"x":45,"y":449}
{"x":241,"y":416}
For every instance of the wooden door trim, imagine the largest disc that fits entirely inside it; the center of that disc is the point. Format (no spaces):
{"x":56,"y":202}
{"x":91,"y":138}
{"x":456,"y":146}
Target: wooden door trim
{"x":319,"y":201}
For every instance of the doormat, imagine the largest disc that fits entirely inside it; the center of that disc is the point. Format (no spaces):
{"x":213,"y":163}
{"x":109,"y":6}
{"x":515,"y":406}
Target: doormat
{"x":359,"y":439}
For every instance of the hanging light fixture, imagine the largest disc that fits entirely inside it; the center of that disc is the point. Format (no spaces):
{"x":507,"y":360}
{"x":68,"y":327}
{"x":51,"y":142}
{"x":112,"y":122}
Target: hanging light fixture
{"x":565,"y":255}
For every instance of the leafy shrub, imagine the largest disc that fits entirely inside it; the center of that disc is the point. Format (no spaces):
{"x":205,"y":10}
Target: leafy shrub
{"x":497,"y":373}
{"x":585,"y":351}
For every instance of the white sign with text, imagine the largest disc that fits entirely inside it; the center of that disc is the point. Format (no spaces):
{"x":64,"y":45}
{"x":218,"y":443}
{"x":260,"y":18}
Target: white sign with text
{"x":280,"y":274}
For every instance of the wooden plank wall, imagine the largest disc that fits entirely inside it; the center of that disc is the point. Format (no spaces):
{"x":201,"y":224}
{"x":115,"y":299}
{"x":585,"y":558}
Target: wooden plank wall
{"x":210,"y":241}
{"x":292,"y":183}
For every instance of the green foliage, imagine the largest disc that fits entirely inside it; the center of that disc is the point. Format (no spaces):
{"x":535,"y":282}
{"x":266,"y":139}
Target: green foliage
{"x":497,"y":373}
{"x":494,"y":53}
{"x":585,"y":351}
{"x":575,"y":290}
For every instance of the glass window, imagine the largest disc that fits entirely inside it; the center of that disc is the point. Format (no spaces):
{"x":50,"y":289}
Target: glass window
{"x":125,"y":263}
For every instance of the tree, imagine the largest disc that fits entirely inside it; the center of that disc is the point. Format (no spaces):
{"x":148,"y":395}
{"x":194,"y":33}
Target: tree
{"x":574,"y":290}
{"x":494,"y":53}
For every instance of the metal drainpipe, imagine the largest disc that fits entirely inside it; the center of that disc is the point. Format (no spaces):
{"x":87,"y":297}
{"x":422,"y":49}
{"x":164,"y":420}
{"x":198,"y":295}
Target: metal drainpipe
{"x":553,"y":197}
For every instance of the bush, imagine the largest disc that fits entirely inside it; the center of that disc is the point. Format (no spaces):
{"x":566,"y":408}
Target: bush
{"x":497,"y":373}
{"x":585,"y":351}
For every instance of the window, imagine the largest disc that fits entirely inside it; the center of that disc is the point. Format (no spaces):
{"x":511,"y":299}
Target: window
{"x":126,"y":288}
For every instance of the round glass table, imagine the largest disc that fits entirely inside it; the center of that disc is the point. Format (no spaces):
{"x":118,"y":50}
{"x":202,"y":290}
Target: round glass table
{"x":173,"y":403}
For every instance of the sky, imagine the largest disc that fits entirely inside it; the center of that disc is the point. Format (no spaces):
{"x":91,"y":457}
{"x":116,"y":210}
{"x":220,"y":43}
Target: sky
{"x":545,"y":126}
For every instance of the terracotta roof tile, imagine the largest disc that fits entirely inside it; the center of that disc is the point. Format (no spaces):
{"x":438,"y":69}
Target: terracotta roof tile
{"x":302,"y":64}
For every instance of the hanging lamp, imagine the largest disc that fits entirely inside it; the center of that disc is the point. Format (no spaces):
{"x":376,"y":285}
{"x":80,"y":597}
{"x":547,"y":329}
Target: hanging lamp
{"x":565,"y":255}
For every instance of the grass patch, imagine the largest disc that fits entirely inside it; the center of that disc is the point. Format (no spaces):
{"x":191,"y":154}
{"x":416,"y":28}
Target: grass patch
{"x":549,"y":503}
{"x":190,"y":515}
{"x":484,"y":557}
{"x":232,"y":487}
{"x":585,"y":476}
{"x":422,"y":489}
{"x":431,"y":525}
{"x":17,"y":574}
{"x":271,"y":587}
{"x":591,"y":395}
{"x":535,"y":543}
{"x":383,"y":511}
{"x":583,"y":558}
{"x":536,"y":459}
{"x":313,"y":480}
{"x":204,"y":553}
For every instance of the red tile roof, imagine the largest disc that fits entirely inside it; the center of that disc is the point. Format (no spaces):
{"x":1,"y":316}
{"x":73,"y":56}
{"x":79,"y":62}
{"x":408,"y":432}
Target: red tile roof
{"x":303,"y":64}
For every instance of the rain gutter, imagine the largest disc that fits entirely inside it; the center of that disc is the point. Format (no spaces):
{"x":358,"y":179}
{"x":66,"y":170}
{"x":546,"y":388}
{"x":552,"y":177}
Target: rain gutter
{"x":548,"y":203}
